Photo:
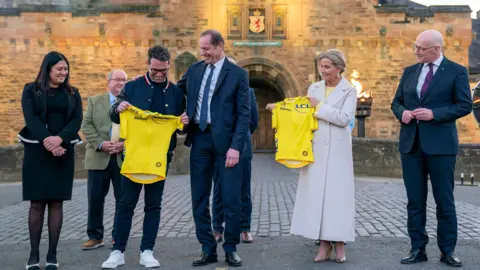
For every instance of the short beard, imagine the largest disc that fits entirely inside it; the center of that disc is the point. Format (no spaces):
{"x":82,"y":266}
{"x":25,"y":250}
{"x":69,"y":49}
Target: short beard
{"x":164,"y":79}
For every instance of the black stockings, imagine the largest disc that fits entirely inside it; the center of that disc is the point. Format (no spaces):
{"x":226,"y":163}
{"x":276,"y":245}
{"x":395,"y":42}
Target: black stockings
{"x":35,"y":225}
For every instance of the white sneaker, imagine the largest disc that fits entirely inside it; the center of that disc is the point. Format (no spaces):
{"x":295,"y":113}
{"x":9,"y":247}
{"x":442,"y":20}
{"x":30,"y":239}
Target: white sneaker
{"x":116,"y":259}
{"x":147,"y":259}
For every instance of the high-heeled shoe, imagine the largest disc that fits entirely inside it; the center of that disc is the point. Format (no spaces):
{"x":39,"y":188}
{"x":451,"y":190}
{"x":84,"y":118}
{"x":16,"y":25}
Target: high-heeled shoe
{"x":327,"y":257}
{"x":51,"y":266}
{"x":32,"y":266}
{"x":342,"y":259}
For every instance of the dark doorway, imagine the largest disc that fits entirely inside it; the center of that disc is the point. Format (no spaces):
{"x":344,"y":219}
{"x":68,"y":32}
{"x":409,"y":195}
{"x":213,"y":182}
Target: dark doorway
{"x":263,"y":140}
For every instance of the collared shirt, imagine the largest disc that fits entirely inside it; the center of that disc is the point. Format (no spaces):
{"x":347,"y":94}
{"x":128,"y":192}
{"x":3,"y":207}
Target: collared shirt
{"x":112,"y":101}
{"x":216,"y":73}
{"x":112,"y":98}
{"x":423,"y":73}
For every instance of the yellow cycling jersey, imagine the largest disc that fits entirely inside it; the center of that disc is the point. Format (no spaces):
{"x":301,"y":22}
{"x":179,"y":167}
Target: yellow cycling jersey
{"x":147,"y":139}
{"x":294,"y":122}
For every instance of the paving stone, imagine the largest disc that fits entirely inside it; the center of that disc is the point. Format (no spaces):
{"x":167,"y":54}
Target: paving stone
{"x":380,"y":209}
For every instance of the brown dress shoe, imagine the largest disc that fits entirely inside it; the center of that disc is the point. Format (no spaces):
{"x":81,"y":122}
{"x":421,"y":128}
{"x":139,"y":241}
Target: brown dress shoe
{"x":218,"y":237}
{"x":247,"y":237}
{"x":93,"y":244}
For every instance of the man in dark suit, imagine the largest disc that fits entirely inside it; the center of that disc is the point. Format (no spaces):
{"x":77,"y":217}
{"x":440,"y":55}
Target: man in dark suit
{"x":218,"y":107}
{"x":431,"y":96}
{"x":246,"y":198}
{"x":476,"y":102}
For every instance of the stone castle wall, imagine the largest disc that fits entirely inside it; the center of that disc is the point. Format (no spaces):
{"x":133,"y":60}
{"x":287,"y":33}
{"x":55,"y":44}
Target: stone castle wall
{"x":377,"y":43}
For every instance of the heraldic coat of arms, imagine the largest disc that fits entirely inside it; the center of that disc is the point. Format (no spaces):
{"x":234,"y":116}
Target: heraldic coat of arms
{"x":257,"y":23}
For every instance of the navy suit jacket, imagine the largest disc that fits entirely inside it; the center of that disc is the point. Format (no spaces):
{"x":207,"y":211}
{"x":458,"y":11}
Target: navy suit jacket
{"x":449,"y":98}
{"x":229,"y":107}
{"x":247,"y":150}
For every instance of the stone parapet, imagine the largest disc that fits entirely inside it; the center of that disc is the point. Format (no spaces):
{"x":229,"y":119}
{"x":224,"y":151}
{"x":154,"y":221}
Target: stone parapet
{"x":372,"y":157}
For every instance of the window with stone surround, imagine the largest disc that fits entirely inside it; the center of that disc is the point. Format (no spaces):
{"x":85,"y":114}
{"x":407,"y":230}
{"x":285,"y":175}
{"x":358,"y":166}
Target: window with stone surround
{"x":279,"y":27}
{"x":235,"y":22}
{"x":182,"y":62}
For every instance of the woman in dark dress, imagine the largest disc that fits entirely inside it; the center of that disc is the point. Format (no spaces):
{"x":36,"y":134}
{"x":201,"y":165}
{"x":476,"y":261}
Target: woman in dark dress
{"x":53,"y":113}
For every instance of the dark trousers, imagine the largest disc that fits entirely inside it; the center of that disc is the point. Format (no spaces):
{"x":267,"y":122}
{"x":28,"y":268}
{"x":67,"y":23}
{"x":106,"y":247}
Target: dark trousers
{"x":246,"y":200}
{"x":98,"y":186}
{"x":203,"y":160}
{"x":153,"y":201}
{"x":416,"y":166}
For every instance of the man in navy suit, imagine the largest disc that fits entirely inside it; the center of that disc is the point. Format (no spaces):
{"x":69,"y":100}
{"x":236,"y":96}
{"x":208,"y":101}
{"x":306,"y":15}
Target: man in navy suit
{"x":431,"y":96}
{"x":246,"y":198}
{"x":218,"y":107}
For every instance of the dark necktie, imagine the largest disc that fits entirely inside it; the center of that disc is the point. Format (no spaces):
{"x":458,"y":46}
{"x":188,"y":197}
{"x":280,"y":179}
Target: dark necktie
{"x":427,"y":81}
{"x":202,"y":123}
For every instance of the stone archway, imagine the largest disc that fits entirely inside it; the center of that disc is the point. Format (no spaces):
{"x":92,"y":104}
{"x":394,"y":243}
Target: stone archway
{"x":272,"y":83}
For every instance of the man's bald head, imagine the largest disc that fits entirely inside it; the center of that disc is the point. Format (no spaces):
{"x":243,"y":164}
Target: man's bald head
{"x":428,"y":46}
{"x":116,"y":80}
{"x":433,"y":37}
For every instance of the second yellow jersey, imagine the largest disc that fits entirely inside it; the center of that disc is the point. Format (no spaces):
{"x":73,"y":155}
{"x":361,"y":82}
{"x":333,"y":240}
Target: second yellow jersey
{"x":294,"y":122}
{"x":147,"y":139}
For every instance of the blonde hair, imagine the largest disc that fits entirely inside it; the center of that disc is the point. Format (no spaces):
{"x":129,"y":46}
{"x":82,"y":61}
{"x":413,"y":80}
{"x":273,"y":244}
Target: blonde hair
{"x":337,"y":58}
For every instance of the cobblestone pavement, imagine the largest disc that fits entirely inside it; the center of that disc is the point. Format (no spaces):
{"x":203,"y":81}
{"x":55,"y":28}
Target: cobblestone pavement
{"x":380,"y":209}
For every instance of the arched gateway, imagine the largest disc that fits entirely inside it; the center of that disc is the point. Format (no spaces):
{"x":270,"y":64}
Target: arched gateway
{"x":272,"y":82}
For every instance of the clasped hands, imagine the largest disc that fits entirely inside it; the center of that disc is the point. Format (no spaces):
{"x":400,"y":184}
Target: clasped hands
{"x":112,"y":148}
{"x":421,"y":114}
{"x":52,"y":144}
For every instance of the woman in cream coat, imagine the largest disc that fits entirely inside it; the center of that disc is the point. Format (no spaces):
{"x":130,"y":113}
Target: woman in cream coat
{"x":325,"y":201}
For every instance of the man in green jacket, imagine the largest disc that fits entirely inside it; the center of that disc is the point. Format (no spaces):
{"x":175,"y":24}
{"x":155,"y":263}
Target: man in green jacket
{"x":102,"y":157}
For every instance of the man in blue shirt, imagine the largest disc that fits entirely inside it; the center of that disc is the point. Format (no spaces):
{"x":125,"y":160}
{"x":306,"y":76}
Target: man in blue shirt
{"x":246,"y":198}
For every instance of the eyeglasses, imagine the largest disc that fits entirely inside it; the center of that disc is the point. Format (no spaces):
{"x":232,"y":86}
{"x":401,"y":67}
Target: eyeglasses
{"x":118,"y":80}
{"x":420,"y":48}
{"x":163,"y":71}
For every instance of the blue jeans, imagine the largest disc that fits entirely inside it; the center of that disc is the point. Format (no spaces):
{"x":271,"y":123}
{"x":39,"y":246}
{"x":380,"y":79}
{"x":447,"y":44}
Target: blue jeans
{"x":153,"y":205}
{"x":246,"y":200}
{"x":151,"y":221}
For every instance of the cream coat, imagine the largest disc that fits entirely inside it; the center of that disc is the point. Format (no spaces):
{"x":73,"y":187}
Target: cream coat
{"x":325,"y":202}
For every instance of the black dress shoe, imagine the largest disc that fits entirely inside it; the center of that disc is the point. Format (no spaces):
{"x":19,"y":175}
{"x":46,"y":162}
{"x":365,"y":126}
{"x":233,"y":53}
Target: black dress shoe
{"x":415,"y":256}
{"x":232,"y":259}
{"x":450,"y":260}
{"x":206,"y":259}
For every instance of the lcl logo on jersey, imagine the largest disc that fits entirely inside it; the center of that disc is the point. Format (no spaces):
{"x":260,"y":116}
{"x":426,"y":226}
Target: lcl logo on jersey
{"x":302,"y":108}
